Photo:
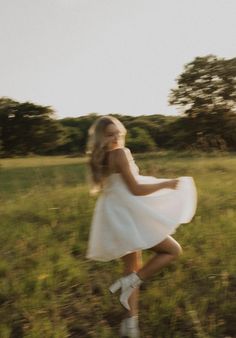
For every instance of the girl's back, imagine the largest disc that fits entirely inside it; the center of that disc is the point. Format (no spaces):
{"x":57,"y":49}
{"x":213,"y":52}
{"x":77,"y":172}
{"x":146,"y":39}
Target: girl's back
{"x":112,"y":158}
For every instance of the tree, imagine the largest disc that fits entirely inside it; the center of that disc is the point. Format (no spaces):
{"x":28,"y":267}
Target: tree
{"x":138,"y":140}
{"x":72,"y":142}
{"x":206,"y":93}
{"x":27,"y":128}
{"x":156,"y":125}
{"x":77,"y":132}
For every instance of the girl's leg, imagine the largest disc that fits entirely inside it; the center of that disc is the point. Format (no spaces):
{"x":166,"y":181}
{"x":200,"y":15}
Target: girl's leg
{"x":165,"y":252}
{"x":133,"y":262}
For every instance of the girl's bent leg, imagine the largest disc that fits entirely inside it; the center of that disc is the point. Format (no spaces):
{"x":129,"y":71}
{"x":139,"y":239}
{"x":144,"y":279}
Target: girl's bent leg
{"x":133,"y":262}
{"x":165,"y":252}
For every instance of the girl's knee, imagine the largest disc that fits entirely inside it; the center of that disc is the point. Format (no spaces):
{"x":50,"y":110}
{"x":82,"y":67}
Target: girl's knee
{"x":178,"y":251}
{"x":169,"y":246}
{"x":175,"y":248}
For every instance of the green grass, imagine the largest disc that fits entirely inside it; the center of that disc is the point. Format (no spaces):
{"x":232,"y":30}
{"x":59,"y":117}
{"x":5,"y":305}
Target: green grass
{"x":47,"y":287}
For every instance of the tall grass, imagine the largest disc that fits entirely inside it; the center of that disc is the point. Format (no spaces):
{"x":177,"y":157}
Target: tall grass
{"x":48,"y":288}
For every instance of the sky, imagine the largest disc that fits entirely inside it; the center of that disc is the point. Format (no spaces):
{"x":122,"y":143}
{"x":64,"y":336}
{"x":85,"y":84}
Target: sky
{"x":107,"y":56}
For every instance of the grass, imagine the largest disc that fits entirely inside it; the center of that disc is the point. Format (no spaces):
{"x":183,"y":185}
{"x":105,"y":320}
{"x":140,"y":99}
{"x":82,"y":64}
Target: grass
{"x":48,"y":288}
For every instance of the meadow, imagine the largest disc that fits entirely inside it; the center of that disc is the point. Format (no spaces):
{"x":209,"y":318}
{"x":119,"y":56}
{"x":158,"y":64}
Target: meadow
{"x":49,"y":289}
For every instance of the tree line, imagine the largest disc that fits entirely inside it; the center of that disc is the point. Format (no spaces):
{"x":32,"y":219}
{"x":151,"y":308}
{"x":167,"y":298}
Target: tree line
{"x":205,"y":94}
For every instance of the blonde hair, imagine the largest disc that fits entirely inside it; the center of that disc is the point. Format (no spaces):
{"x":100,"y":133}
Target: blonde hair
{"x":97,"y":148}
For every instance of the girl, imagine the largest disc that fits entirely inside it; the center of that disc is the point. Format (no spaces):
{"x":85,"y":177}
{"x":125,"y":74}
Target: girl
{"x":133,"y":213}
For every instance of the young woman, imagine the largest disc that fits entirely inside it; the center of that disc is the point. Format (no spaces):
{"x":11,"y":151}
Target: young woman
{"x":132,"y":213}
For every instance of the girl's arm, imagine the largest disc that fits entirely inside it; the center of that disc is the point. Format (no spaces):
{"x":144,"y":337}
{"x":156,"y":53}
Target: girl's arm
{"x":136,"y":188}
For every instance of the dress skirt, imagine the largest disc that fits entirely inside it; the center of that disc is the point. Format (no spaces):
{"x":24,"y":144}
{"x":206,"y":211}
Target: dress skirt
{"x":123,"y":222}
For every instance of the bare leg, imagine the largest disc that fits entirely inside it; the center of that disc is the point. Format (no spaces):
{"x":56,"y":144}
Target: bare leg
{"x":165,"y":252}
{"x":133,"y":262}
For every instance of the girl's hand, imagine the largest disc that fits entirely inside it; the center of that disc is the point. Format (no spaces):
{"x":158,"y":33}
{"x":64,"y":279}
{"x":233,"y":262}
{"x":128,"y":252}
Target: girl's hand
{"x":172,"y":184}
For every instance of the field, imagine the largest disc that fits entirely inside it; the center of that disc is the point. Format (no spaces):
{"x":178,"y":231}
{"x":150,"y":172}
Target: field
{"x":47,"y":287}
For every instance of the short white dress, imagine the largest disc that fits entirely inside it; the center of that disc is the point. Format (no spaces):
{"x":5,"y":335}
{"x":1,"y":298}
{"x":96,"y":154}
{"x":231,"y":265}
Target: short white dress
{"x":123,"y":222}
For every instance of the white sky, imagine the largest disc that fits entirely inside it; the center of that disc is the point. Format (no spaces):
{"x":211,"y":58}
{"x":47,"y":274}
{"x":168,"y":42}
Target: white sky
{"x":107,"y":56}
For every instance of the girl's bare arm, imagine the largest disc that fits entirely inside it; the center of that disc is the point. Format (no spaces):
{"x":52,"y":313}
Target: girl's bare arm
{"x":136,"y":188}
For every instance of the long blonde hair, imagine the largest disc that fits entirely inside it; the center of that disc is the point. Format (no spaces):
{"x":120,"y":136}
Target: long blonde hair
{"x":97,"y":148}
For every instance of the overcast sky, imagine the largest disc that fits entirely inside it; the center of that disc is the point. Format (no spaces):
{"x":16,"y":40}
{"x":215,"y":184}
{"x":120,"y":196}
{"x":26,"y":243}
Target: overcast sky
{"x":107,"y":56}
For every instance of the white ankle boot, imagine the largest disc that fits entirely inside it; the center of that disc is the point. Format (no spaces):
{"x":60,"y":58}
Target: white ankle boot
{"x":127,"y":285}
{"x":129,"y":327}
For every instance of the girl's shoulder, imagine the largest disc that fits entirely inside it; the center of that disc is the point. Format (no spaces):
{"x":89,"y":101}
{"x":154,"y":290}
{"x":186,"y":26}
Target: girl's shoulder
{"x":121,"y":153}
{"x":115,"y":157}
{"x":123,"y":150}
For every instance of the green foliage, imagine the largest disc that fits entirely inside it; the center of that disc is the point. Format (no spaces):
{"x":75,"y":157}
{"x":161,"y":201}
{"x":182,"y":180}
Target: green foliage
{"x":207,"y":96}
{"x":76,"y":133}
{"x":206,"y":85}
{"x":139,"y":140}
{"x":205,"y":93}
{"x":27,"y":128}
{"x":48,"y":288}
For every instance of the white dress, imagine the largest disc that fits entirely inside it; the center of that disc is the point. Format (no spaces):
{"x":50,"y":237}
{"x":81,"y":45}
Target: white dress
{"x":123,"y":223}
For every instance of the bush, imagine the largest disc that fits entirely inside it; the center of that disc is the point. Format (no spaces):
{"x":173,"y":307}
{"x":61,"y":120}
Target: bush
{"x":139,"y":140}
